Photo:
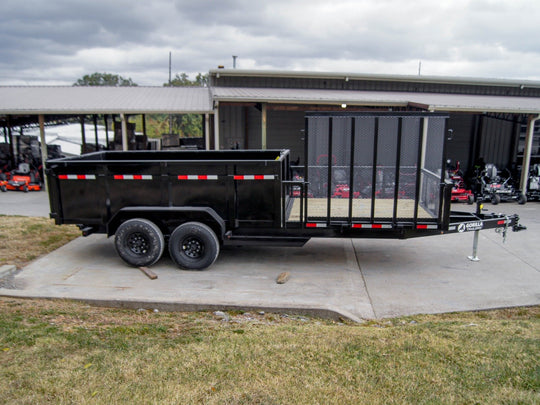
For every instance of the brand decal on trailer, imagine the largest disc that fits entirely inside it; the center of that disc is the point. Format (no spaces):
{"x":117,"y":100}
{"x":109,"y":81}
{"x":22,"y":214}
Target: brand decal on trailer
{"x":470,"y":226}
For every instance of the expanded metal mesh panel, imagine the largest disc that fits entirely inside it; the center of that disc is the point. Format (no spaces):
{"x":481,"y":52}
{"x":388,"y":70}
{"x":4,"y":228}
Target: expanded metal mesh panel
{"x":341,"y":165}
{"x":383,"y":154}
{"x":408,"y":165}
{"x":387,"y":143}
{"x":317,"y":160}
{"x":363,"y":165}
{"x":432,"y":165}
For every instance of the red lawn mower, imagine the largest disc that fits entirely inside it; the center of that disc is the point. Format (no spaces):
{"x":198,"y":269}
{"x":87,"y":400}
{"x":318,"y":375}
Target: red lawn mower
{"x":459,"y":191}
{"x":24,"y":179}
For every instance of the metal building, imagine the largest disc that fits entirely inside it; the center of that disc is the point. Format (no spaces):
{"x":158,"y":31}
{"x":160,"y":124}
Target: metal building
{"x":255,"y":109}
{"x":489,"y":119}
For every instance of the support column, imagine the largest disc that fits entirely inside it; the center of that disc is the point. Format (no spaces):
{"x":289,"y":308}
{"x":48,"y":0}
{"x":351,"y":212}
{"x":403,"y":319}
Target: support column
{"x":44,"y":153}
{"x":264,"y":114}
{"x":83,"y":134}
{"x":11,"y":144}
{"x":96,"y":131}
{"x":106,"y":122}
{"x":124,"y":132}
{"x":216,"y":127}
{"x":527,"y":153}
{"x":144,"y":124}
{"x":207,"y":131}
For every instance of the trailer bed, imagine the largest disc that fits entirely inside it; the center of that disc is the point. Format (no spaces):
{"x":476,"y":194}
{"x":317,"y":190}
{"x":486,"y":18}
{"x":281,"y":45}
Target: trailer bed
{"x":361,"y":208}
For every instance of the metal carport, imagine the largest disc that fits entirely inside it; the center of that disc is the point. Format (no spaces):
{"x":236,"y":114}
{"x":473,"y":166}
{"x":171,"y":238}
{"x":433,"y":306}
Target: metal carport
{"x":26,"y":103}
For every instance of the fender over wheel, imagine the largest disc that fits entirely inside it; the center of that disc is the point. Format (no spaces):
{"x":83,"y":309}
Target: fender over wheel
{"x":139,"y":242}
{"x":193,"y":246}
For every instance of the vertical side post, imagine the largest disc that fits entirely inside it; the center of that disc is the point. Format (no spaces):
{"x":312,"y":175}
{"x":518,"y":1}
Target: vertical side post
{"x":419,"y":165}
{"x":329,"y":174}
{"x":351,"y":168}
{"x":374,"y":170}
{"x":396,"y":173}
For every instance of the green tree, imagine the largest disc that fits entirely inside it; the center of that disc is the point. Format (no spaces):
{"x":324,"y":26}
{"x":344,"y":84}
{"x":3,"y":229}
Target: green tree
{"x":183,"y":80}
{"x":188,"y":125}
{"x":104,"y":79}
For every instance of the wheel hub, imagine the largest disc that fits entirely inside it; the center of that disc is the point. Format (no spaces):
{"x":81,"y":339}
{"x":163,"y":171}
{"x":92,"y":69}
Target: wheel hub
{"x":193,"y":247}
{"x":138,"y":244}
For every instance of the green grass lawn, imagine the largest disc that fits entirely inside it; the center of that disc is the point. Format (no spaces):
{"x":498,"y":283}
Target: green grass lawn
{"x":65,"y":352}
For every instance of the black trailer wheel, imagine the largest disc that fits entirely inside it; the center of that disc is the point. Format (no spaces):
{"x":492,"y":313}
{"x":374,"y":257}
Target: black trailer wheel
{"x":522,"y":199}
{"x":470,"y":199}
{"x":193,"y":246}
{"x":139,"y":242}
{"x":3,"y":188}
{"x":495,"y":199}
{"x":25,"y":188}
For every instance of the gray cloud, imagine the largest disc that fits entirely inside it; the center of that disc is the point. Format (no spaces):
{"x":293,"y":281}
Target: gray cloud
{"x":58,"y":41}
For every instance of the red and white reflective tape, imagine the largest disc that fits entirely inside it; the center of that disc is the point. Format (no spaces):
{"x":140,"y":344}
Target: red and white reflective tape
{"x":426,"y":226}
{"x":77,"y":176}
{"x":372,"y":226}
{"x":198,"y":177}
{"x":133,"y":177}
{"x":255,"y":177}
{"x":315,"y":225}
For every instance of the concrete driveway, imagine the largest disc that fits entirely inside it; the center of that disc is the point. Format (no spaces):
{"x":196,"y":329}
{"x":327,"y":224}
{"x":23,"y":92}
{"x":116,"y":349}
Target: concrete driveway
{"x":357,"y":279}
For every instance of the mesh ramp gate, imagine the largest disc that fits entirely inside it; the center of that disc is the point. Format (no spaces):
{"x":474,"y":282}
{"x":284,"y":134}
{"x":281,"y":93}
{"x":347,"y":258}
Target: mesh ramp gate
{"x":372,"y":168}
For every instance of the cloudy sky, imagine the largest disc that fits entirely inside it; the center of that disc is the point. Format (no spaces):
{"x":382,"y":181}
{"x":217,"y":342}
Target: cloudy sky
{"x":59,"y":41}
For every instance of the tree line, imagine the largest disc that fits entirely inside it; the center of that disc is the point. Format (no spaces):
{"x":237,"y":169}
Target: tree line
{"x":185,"y":125}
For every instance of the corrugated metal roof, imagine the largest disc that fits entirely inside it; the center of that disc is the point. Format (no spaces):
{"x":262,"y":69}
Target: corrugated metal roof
{"x":374,"y":76}
{"x":432,"y":101}
{"x":30,"y":100}
{"x":104,"y":100}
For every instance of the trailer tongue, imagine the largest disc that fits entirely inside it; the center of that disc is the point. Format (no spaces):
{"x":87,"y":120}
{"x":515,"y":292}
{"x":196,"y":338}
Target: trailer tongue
{"x":364,"y":176}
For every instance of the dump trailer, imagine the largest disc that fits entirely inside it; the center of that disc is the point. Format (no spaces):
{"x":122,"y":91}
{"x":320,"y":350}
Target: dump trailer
{"x":364,"y":176}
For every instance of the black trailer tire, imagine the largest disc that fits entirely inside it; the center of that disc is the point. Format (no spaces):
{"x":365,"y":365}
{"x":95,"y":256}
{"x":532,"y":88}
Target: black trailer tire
{"x":3,"y":188}
{"x":25,"y":188}
{"x":522,"y":199}
{"x":139,"y":242}
{"x":193,"y":246}
{"x":495,"y":199}
{"x":470,"y":199}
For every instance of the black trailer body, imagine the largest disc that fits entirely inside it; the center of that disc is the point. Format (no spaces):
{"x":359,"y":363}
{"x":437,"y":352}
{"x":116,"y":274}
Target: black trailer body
{"x":366,"y":176}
